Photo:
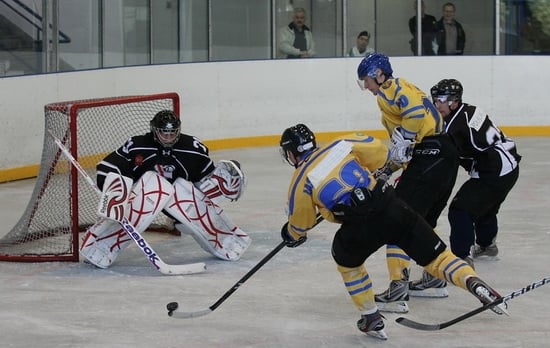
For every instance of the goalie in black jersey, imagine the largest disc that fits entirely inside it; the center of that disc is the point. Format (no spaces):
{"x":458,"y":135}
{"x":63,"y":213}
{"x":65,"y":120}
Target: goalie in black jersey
{"x":492,"y":162}
{"x":165,"y":171}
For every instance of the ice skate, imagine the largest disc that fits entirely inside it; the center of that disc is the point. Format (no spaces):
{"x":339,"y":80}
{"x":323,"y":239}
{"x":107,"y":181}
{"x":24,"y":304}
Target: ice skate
{"x":485,"y":294}
{"x":395,"y":298}
{"x":372,"y":325}
{"x":489,"y":253}
{"x":428,"y":286}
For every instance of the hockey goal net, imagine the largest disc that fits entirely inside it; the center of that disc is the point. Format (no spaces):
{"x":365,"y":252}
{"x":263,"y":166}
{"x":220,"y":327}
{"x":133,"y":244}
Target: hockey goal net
{"x":63,"y":204}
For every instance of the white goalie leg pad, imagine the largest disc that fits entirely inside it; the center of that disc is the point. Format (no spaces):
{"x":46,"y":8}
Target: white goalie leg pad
{"x":104,"y":241}
{"x":206,"y":222}
{"x":114,"y":197}
{"x":150,"y":195}
{"x":226,"y":181}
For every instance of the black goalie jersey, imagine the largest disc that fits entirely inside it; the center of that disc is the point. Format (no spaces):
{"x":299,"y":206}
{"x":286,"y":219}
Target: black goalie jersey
{"x":484,"y":150}
{"x":187,"y":159}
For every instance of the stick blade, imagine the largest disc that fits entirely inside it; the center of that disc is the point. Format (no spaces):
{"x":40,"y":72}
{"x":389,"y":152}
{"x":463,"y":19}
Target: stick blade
{"x":416,"y":325}
{"x":187,"y":315}
{"x":191,"y":268}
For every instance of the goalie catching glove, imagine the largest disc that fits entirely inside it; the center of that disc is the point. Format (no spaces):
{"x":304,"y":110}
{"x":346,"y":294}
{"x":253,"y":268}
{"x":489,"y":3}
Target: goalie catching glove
{"x":227,"y":180}
{"x":401,"y":148}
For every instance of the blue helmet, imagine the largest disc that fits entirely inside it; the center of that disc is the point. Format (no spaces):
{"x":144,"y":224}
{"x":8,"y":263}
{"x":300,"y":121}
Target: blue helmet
{"x":374,"y":61}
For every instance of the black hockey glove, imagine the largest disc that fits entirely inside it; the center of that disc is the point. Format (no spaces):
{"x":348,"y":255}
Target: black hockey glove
{"x":288,"y":239}
{"x":364,"y":203}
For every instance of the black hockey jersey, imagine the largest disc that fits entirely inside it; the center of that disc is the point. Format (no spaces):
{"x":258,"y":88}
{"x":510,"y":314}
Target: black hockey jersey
{"x":187,"y":159}
{"x":484,"y":150}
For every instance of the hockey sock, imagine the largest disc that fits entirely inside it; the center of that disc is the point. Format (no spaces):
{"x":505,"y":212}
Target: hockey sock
{"x":359,"y":286}
{"x":397,"y":261}
{"x":451,"y":268}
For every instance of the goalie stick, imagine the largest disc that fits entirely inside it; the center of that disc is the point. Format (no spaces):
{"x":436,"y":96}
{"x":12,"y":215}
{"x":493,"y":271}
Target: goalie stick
{"x":143,"y":245}
{"x":173,"y":307}
{"x":434,"y":327}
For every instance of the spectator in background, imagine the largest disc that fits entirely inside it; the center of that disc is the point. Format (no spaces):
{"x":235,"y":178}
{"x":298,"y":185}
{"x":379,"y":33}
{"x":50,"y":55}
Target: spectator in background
{"x":450,"y":34}
{"x":361,"y":48}
{"x":296,"y":39}
{"x":429,"y":30}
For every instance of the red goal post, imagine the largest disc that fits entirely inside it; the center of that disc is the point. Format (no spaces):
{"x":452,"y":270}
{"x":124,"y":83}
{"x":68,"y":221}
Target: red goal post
{"x":63,"y":204}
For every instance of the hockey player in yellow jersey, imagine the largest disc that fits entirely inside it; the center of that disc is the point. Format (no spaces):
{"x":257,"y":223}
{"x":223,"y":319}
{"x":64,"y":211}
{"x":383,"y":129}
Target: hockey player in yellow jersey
{"x":429,"y":161}
{"x":336,"y":181}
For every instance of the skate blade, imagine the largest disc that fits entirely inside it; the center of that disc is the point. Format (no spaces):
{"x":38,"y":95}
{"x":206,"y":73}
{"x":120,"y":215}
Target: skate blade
{"x":393,"y":307}
{"x":380,"y":334}
{"x":501,"y":309}
{"x":430,"y":292}
{"x":486,"y":258}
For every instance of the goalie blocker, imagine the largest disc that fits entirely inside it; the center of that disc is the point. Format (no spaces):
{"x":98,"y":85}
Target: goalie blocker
{"x":197,"y":213}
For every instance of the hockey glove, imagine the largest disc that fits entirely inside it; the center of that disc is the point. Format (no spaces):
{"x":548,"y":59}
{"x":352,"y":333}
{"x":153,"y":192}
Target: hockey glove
{"x":289,"y":240}
{"x":365,"y":203}
{"x":401,"y":148}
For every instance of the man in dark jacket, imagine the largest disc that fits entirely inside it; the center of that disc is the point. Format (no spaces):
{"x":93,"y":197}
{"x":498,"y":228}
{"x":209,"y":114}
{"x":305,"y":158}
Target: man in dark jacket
{"x":429,"y":31}
{"x":450,"y":34}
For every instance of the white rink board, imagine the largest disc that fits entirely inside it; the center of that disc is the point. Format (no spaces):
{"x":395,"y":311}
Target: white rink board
{"x":253,"y":98}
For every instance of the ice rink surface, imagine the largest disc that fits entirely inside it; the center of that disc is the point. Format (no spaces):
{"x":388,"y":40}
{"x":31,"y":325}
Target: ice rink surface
{"x":296,"y":300}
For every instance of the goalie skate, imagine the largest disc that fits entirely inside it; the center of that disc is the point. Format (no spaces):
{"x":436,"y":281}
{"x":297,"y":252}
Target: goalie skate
{"x":230,"y":247}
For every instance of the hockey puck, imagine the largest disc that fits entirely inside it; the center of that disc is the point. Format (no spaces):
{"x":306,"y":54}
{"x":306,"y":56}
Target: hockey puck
{"x":171,"y":307}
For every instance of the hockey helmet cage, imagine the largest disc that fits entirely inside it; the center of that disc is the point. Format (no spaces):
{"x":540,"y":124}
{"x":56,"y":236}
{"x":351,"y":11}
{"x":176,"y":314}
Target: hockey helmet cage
{"x":165,"y":127}
{"x":374,"y":61}
{"x":299,"y":140}
{"x":447,"y":90}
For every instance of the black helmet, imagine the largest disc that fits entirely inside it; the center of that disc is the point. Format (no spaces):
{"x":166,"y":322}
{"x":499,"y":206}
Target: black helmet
{"x":448,"y":89}
{"x":299,"y":140}
{"x":165,"y":127}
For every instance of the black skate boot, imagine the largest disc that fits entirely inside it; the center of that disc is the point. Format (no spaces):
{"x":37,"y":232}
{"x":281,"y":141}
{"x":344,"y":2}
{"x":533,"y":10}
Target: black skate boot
{"x":485,"y":294}
{"x":372,"y":325}
{"x":394,"y":299}
{"x":428,"y":286}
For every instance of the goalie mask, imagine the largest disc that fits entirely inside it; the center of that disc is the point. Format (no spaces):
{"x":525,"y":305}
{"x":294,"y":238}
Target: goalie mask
{"x":298,"y":140}
{"x":165,"y":127}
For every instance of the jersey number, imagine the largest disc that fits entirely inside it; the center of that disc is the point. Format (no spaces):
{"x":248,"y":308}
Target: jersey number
{"x":198,"y":145}
{"x":351,"y":175}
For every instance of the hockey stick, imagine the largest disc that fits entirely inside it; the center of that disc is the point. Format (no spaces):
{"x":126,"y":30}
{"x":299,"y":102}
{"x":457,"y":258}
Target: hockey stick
{"x":172,"y":307}
{"x":143,"y":245}
{"x":434,"y":327}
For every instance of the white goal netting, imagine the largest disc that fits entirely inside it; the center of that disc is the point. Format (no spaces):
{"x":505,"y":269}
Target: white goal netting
{"x":62,"y":203}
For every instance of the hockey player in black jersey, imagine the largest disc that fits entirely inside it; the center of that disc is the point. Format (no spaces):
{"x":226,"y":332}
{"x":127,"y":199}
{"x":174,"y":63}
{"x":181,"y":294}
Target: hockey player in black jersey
{"x":165,"y":171}
{"x":492,"y":162}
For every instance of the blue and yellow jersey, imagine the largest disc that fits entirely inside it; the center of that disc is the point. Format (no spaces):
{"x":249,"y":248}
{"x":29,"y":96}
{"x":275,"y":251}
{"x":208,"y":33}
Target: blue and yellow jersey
{"x":328,"y":176}
{"x":404,"y":105}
